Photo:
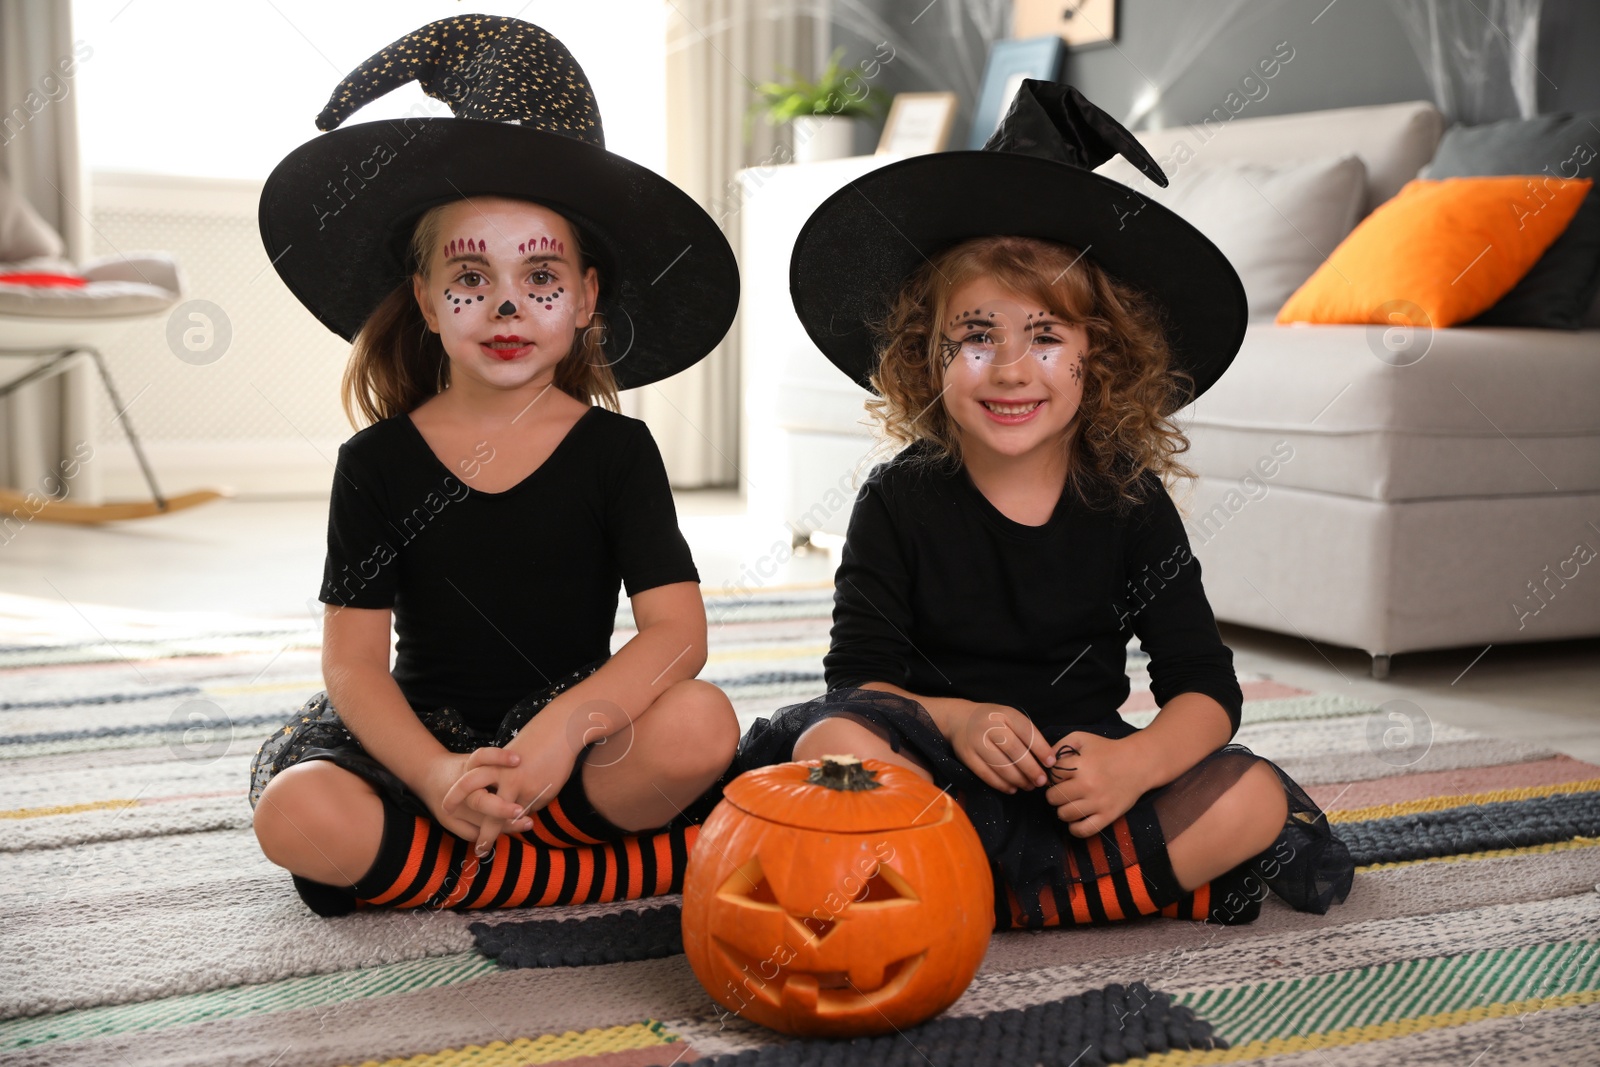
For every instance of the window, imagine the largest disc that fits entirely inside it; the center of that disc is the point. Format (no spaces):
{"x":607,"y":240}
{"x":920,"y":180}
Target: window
{"x":226,"y":90}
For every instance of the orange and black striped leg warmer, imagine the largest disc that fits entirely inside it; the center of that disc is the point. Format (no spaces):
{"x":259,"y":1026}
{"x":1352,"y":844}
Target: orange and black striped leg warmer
{"x":1123,"y":873}
{"x":1230,"y":899}
{"x":422,"y":865}
{"x":569,"y":820}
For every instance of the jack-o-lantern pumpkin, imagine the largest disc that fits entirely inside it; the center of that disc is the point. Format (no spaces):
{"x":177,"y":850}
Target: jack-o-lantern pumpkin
{"x":836,"y":897}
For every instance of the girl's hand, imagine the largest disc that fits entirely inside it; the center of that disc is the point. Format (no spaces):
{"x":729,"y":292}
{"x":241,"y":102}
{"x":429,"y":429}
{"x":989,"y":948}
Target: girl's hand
{"x":1097,"y":780}
{"x":465,"y":820}
{"x":1003,"y":747}
{"x":506,"y":795}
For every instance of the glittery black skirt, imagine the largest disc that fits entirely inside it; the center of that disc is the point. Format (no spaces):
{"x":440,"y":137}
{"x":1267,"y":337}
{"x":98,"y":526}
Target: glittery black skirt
{"x":316,"y":732}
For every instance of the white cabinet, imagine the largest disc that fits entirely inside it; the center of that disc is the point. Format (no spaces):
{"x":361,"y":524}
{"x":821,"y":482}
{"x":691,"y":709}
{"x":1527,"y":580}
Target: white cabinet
{"x":805,"y":431}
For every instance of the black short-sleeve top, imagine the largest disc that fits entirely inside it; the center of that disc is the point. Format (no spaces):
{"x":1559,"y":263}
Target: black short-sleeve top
{"x":497,"y":594}
{"x":940,"y":593}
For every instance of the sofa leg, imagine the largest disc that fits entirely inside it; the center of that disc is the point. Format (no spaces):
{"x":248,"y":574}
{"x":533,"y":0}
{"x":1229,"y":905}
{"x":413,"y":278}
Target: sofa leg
{"x":1380,"y":665}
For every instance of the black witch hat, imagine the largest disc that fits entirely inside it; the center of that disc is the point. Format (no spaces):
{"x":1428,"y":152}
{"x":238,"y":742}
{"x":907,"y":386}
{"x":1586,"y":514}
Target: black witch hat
{"x":337,"y":213}
{"x":1033,"y":178}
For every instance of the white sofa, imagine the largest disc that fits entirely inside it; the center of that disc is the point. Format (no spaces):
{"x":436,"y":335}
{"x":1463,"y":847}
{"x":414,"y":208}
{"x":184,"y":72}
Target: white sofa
{"x":1386,"y":492}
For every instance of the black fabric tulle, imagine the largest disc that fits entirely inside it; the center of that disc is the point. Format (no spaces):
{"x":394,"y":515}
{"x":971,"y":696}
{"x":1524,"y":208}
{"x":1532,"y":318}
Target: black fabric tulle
{"x":317,"y":732}
{"x":1027,"y":843}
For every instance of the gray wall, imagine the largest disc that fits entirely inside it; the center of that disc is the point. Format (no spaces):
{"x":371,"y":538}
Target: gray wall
{"x":1354,"y":53}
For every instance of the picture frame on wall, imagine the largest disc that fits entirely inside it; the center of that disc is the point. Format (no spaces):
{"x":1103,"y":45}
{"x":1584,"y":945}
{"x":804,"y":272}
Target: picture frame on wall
{"x":1080,"y":23}
{"x":1009,"y":63}
{"x":918,"y":123}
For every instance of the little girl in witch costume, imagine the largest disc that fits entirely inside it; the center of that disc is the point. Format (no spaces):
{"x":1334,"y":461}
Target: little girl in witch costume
{"x":1036,"y":325}
{"x":501,"y":276}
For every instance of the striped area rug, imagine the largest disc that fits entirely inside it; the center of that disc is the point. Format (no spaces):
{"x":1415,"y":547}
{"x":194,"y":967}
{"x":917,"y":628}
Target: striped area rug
{"x":142,"y":926}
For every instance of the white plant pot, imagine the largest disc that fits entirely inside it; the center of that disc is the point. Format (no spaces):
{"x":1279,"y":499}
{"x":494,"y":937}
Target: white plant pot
{"x":820,"y":137}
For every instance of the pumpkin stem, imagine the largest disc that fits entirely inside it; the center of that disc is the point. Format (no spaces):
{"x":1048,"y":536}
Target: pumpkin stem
{"x":844,"y":773}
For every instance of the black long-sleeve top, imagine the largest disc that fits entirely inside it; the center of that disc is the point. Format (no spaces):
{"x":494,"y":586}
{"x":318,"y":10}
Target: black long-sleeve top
{"x":941,"y":594}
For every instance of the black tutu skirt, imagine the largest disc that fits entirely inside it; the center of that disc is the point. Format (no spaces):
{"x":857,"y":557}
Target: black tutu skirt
{"x":1029,"y":847}
{"x":316,"y":732}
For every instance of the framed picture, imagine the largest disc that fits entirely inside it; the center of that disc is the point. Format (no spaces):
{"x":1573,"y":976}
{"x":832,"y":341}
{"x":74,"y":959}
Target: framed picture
{"x":918,"y":123}
{"x":1009,"y":63}
{"x":1077,"y":22}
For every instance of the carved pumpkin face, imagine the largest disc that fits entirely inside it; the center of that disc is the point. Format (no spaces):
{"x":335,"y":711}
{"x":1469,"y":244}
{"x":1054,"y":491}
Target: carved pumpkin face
{"x":829,"y":902}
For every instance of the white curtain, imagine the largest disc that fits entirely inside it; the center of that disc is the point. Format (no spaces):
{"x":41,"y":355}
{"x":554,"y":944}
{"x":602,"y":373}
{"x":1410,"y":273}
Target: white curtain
{"x":1478,"y":55}
{"x":716,"y":51}
{"x":40,"y":423}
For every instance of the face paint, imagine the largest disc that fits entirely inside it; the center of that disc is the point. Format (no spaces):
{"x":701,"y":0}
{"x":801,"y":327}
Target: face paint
{"x":979,"y":335}
{"x":542,"y":244}
{"x":548,"y":301}
{"x":462,"y":246}
{"x":1013,"y":371}
{"x":948,"y":350}
{"x":516,"y":258}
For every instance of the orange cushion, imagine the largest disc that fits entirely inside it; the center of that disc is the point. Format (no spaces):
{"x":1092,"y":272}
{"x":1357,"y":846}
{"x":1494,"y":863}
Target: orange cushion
{"x":1439,"y":252}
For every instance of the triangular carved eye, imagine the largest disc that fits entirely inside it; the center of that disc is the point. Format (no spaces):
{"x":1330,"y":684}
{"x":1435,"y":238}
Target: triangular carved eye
{"x":884,"y":885}
{"x":749,"y":883}
{"x":880,"y":888}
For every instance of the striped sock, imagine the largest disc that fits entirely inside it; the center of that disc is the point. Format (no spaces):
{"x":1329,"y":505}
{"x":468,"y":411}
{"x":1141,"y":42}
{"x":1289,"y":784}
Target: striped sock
{"x":1104,"y":887}
{"x":570,"y":820}
{"x":1230,"y":899}
{"x":420,"y":864}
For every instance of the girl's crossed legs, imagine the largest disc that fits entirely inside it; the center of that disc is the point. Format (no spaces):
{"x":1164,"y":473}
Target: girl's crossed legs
{"x":326,"y":824}
{"x":1240,"y":823}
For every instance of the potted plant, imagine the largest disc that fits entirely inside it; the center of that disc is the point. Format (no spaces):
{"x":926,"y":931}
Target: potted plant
{"x":822,"y":112}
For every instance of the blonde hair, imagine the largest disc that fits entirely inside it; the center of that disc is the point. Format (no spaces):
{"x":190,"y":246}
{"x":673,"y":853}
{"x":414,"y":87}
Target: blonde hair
{"x":397,"y":363}
{"x":1129,"y":385}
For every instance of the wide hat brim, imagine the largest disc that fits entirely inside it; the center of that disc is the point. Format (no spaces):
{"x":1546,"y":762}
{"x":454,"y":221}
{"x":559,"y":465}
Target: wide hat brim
{"x":337,"y":213}
{"x":864,"y":242}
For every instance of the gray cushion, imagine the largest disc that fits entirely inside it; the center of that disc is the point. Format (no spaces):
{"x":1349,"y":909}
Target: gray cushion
{"x":1276,"y":222}
{"x":1558,"y":291}
{"x":1394,"y":141}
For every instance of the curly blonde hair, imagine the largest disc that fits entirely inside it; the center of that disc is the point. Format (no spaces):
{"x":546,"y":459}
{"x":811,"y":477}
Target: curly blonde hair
{"x":1121,"y":430}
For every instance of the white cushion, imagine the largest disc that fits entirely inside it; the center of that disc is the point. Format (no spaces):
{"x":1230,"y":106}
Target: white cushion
{"x":117,"y":287}
{"x":1276,"y":222}
{"x":1485,"y":412}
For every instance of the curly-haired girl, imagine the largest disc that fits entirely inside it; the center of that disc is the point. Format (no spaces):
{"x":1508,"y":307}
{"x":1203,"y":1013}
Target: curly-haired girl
{"x":995,"y":569}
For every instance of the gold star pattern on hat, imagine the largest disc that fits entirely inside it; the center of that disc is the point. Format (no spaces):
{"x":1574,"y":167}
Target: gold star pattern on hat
{"x":483,"y":67}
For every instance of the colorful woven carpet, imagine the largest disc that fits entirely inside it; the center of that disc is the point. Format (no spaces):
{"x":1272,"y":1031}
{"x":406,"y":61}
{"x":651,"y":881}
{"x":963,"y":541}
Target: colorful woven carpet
{"x":142,"y":925}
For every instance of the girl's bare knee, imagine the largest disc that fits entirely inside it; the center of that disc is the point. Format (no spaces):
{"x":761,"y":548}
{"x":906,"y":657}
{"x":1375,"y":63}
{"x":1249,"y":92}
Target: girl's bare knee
{"x":1259,"y":797}
{"x":301,"y":806}
{"x":702,"y":730}
{"x":836,"y":736}
{"x":713,"y":728}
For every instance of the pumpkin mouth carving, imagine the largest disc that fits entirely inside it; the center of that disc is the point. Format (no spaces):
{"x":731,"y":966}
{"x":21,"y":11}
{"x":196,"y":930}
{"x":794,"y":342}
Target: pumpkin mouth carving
{"x":775,"y":978}
{"x":819,"y":992}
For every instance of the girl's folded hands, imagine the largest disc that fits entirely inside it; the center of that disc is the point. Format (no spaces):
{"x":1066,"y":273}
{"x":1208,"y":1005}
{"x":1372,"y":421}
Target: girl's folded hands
{"x":458,"y":794}
{"x":503,"y":794}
